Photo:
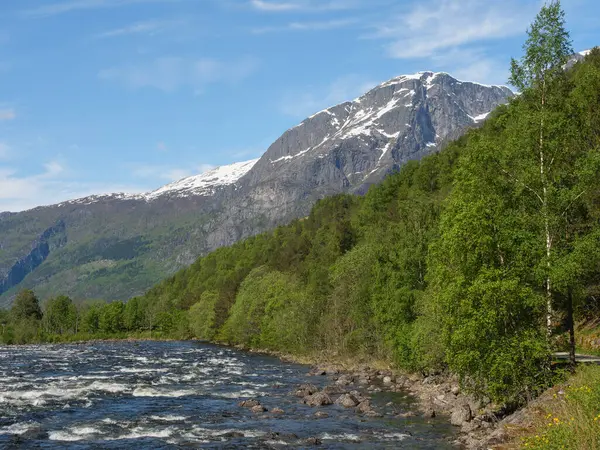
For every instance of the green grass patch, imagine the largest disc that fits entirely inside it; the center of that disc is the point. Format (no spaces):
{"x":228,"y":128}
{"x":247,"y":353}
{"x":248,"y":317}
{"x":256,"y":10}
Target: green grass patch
{"x":571,"y":420}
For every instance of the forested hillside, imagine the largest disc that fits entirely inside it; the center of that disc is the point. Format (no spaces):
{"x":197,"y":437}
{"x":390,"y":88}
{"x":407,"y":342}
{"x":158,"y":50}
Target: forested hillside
{"x":476,"y":259}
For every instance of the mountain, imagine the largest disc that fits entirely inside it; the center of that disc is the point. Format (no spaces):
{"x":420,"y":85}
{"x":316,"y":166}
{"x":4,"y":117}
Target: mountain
{"x":116,"y":246}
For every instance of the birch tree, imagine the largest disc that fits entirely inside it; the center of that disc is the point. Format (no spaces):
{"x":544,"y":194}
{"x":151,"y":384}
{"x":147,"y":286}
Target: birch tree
{"x":546,"y":51}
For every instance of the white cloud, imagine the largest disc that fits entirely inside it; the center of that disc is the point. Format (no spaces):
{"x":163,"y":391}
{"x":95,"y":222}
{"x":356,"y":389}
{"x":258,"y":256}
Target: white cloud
{"x":49,"y":186}
{"x":451,"y":34}
{"x":304,"y":5}
{"x":307,"y":26}
{"x":171,"y":73}
{"x":301,"y":104}
{"x":150,"y":27}
{"x":7,"y":114}
{"x":273,"y":6}
{"x":52,"y":9}
{"x":444,"y":24}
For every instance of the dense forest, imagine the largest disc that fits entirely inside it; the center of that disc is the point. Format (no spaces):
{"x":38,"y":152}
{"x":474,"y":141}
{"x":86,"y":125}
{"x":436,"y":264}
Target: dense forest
{"x":476,"y":260}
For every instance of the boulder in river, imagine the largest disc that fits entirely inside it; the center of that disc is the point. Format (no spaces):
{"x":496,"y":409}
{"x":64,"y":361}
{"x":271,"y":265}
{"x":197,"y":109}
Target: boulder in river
{"x":258,"y":409}
{"x":347,"y":401}
{"x":333,"y":390}
{"x":317,"y":399}
{"x":321,"y":415}
{"x":277,"y":411}
{"x":364,"y":406}
{"x":306,"y":389}
{"x":250,"y":403}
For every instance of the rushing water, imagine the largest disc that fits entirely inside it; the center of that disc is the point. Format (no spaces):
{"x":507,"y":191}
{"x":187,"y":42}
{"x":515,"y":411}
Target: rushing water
{"x":181,"y":394}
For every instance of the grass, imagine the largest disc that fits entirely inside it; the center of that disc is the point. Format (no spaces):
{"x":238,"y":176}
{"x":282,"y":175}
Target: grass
{"x":570,"y":420}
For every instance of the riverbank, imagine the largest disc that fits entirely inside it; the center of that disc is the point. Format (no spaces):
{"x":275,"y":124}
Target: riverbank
{"x":480,"y":424}
{"x":564,"y":416}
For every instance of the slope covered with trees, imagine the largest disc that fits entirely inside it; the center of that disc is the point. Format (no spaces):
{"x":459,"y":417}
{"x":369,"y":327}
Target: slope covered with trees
{"x":474,"y":260}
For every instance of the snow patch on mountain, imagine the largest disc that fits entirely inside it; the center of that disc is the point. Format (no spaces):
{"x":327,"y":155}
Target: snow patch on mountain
{"x":205,"y":183}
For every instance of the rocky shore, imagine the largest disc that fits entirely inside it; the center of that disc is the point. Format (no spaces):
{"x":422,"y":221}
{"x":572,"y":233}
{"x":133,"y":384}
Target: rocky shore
{"x":480,"y":425}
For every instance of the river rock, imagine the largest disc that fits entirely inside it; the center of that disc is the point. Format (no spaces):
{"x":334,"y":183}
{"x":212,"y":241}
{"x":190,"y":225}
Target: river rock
{"x":364,"y":406}
{"x":313,"y":441}
{"x":277,"y":411}
{"x":321,"y":415}
{"x":250,"y":403}
{"x":429,"y":413}
{"x":306,"y":389}
{"x":358,"y":396}
{"x":333,"y":390}
{"x":318,"y":399}
{"x":258,"y":409}
{"x":347,"y":401}
{"x":344,"y":380}
{"x":233,"y":434}
{"x":387,"y":379}
{"x":461,"y":414}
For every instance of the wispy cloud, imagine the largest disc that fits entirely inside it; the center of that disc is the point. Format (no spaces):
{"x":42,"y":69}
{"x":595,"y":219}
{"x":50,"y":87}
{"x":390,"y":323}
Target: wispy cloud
{"x":303,"y":103}
{"x":52,"y":9}
{"x":274,"y":6}
{"x":7,"y":114}
{"x":150,"y":27}
{"x":171,"y":73}
{"x":52,"y":184}
{"x":307,"y":26}
{"x":439,"y":25}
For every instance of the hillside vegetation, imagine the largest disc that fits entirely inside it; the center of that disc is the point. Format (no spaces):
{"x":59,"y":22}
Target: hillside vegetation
{"x":473,"y":260}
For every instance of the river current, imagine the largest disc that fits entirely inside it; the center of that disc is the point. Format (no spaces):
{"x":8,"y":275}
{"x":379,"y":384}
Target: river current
{"x":146,"y":395}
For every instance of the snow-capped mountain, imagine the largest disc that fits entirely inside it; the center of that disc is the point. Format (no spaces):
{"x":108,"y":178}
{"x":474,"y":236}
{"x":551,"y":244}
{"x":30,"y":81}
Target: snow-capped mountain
{"x":84,"y":247}
{"x":206,"y":183}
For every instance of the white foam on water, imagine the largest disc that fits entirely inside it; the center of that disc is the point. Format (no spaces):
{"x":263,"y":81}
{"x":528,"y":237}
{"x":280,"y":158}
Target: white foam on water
{"x":74,"y":434}
{"x":207,"y":432}
{"x":341,"y":437}
{"x":152,"y":392}
{"x":141,"y":432}
{"x":142,"y":370}
{"x":239,"y":394}
{"x":19,"y":428}
{"x":169,"y":418}
{"x":396,"y":436}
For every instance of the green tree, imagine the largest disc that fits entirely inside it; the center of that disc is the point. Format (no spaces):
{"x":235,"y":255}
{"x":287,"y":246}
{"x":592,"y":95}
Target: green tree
{"x":26,"y":306}
{"x":60,"y":316}
{"x":110,"y":319}
{"x":547,"y":49}
{"x":202,"y":315}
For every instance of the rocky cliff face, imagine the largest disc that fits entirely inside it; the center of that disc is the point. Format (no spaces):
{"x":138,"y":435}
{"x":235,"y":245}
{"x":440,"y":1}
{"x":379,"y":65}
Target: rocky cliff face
{"x":350,"y":146}
{"x":51,"y":239}
{"x":118,"y":245}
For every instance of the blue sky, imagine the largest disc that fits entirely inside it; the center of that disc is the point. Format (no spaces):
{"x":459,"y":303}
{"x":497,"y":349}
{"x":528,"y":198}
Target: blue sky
{"x":102,"y":96}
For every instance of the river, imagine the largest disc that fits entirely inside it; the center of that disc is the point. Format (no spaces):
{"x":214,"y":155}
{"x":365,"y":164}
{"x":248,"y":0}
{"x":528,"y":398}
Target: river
{"x":121,"y":395}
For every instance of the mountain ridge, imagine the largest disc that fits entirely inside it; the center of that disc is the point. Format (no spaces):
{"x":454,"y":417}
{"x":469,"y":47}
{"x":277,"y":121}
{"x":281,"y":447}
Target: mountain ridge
{"x":118,"y":245}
